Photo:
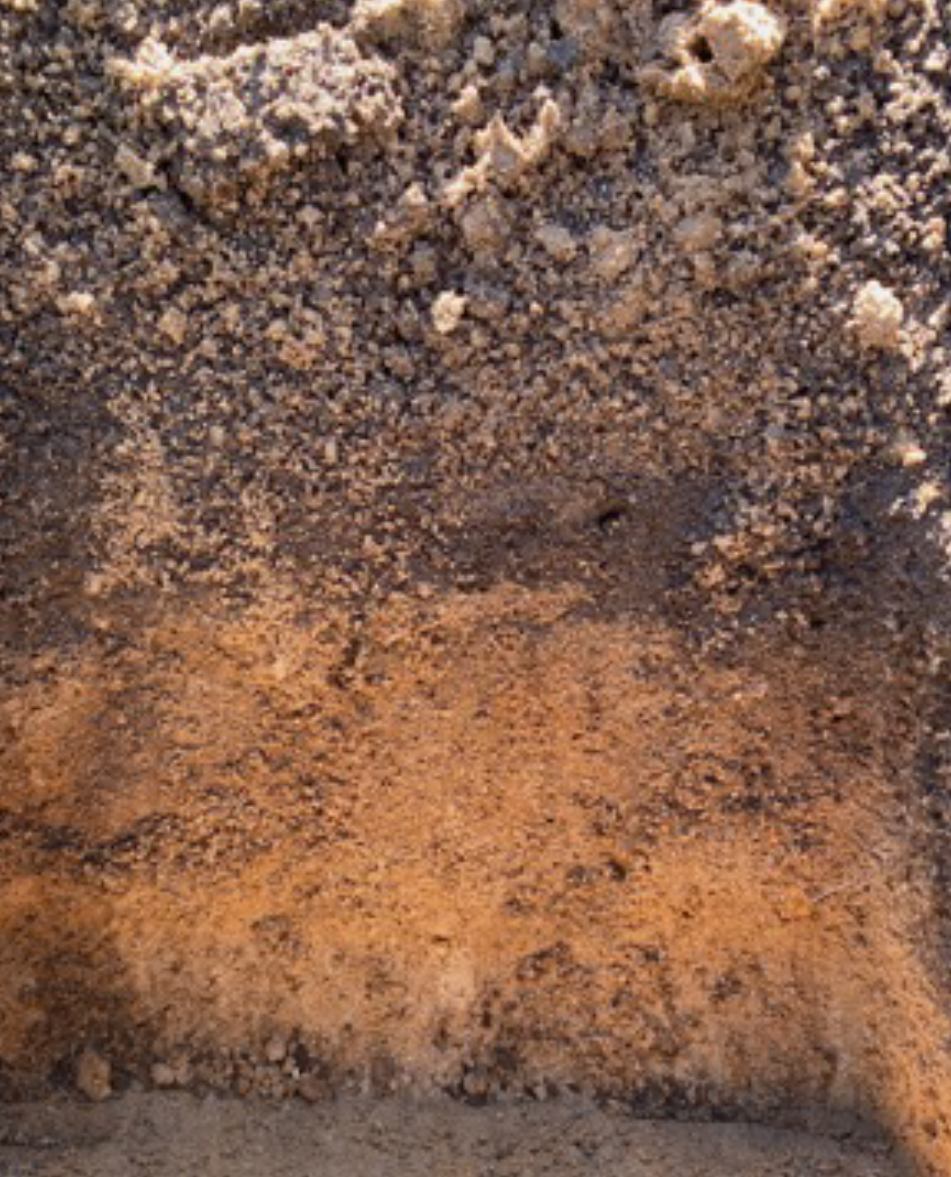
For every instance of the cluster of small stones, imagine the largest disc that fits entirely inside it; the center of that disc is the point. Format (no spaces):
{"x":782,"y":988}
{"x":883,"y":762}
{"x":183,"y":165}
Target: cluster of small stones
{"x":223,"y":124}
{"x":285,"y":1068}
{"x":280,"y":1071}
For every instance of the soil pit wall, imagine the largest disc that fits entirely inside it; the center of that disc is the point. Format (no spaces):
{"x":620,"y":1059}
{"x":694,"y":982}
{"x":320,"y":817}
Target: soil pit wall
{"x":475,"y":548}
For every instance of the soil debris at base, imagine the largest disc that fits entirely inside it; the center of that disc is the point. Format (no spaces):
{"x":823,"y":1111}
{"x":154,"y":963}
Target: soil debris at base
{"x":182,"y":1136}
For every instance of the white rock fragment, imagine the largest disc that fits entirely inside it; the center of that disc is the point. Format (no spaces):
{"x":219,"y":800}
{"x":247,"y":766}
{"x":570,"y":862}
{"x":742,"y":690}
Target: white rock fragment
{"x":507,"y":155}
{"x":411,"y":216}
{"x":877,"y":315}
{"x":483,"y":52}
{"x":79,"y":303}
{"x":173,"y":1072}
{"x":485,"y":225}
{"x":447,"y":311}
{"x":829,"y":12}
{"x":905,"y":450}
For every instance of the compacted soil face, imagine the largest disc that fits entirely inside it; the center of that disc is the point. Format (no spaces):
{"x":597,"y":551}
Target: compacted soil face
{"x":179,"y":1135}
{"x":474,"y":560}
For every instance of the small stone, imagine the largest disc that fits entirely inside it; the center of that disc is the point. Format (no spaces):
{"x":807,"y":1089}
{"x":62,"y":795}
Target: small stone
{"x":163,"y":1075}
{"x":313,"y":1088}
{"x":93,"y":1076}
{"x":877,"y":315}
{"x":79,"y":302}
{"x":612,"y":252}
{"x":906,"y":452}
{"x":557,"y":241}
{"x":484,"y":226}
{"x":220,"y":19}
{"x":468,"y":107}
{"x":720,"y":53}
{"x":137,"y":171}
{"x":743,"y":37}
{"x":699,"y":233}
{"x":447,"y":311}
{"x":434,"y":23}
{"x":275,"y":1049}
{"x":483,"y":51}
{"x":173,"y":324}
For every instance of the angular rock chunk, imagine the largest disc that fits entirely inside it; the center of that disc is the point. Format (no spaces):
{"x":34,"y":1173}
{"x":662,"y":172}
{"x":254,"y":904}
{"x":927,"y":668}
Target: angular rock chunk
{"x":236,"y":120}
{"x":720,"y":54}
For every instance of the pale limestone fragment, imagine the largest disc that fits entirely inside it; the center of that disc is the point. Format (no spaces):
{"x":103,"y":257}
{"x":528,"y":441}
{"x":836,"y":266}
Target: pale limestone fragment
{"x":877,"y":316}
{"x":504,"y":158}
{"x":831,"y":12}
{"x":78,"y":302}
{"x":485,"y":225}
{"x":483,"y":52}
{"x":468,"y":106}
{"x":447,"y":311}
{"x":744,"y":37}
{"x":136,"y":169}
{"x":411,"y":217}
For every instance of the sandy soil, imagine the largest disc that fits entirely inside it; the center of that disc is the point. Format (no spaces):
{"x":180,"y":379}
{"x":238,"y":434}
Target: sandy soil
{"x":180,"y":1135}
{"x":475,"y":535}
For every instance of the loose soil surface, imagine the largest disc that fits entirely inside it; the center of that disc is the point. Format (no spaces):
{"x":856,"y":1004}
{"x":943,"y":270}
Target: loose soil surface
{"x":181,"y":1136}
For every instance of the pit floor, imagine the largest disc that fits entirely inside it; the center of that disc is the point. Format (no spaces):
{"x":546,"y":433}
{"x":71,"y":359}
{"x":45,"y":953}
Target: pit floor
{"x":180,"y":1134}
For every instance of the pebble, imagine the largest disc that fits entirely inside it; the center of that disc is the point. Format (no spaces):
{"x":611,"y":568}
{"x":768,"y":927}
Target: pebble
{"x":275,"y":1050}
{"x":878,"y":315}
{"x":447,"y":311}
{"x":93,"y":1076}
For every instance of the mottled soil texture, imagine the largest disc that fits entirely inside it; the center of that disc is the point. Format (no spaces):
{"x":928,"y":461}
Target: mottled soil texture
{"x":475,"y":527}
